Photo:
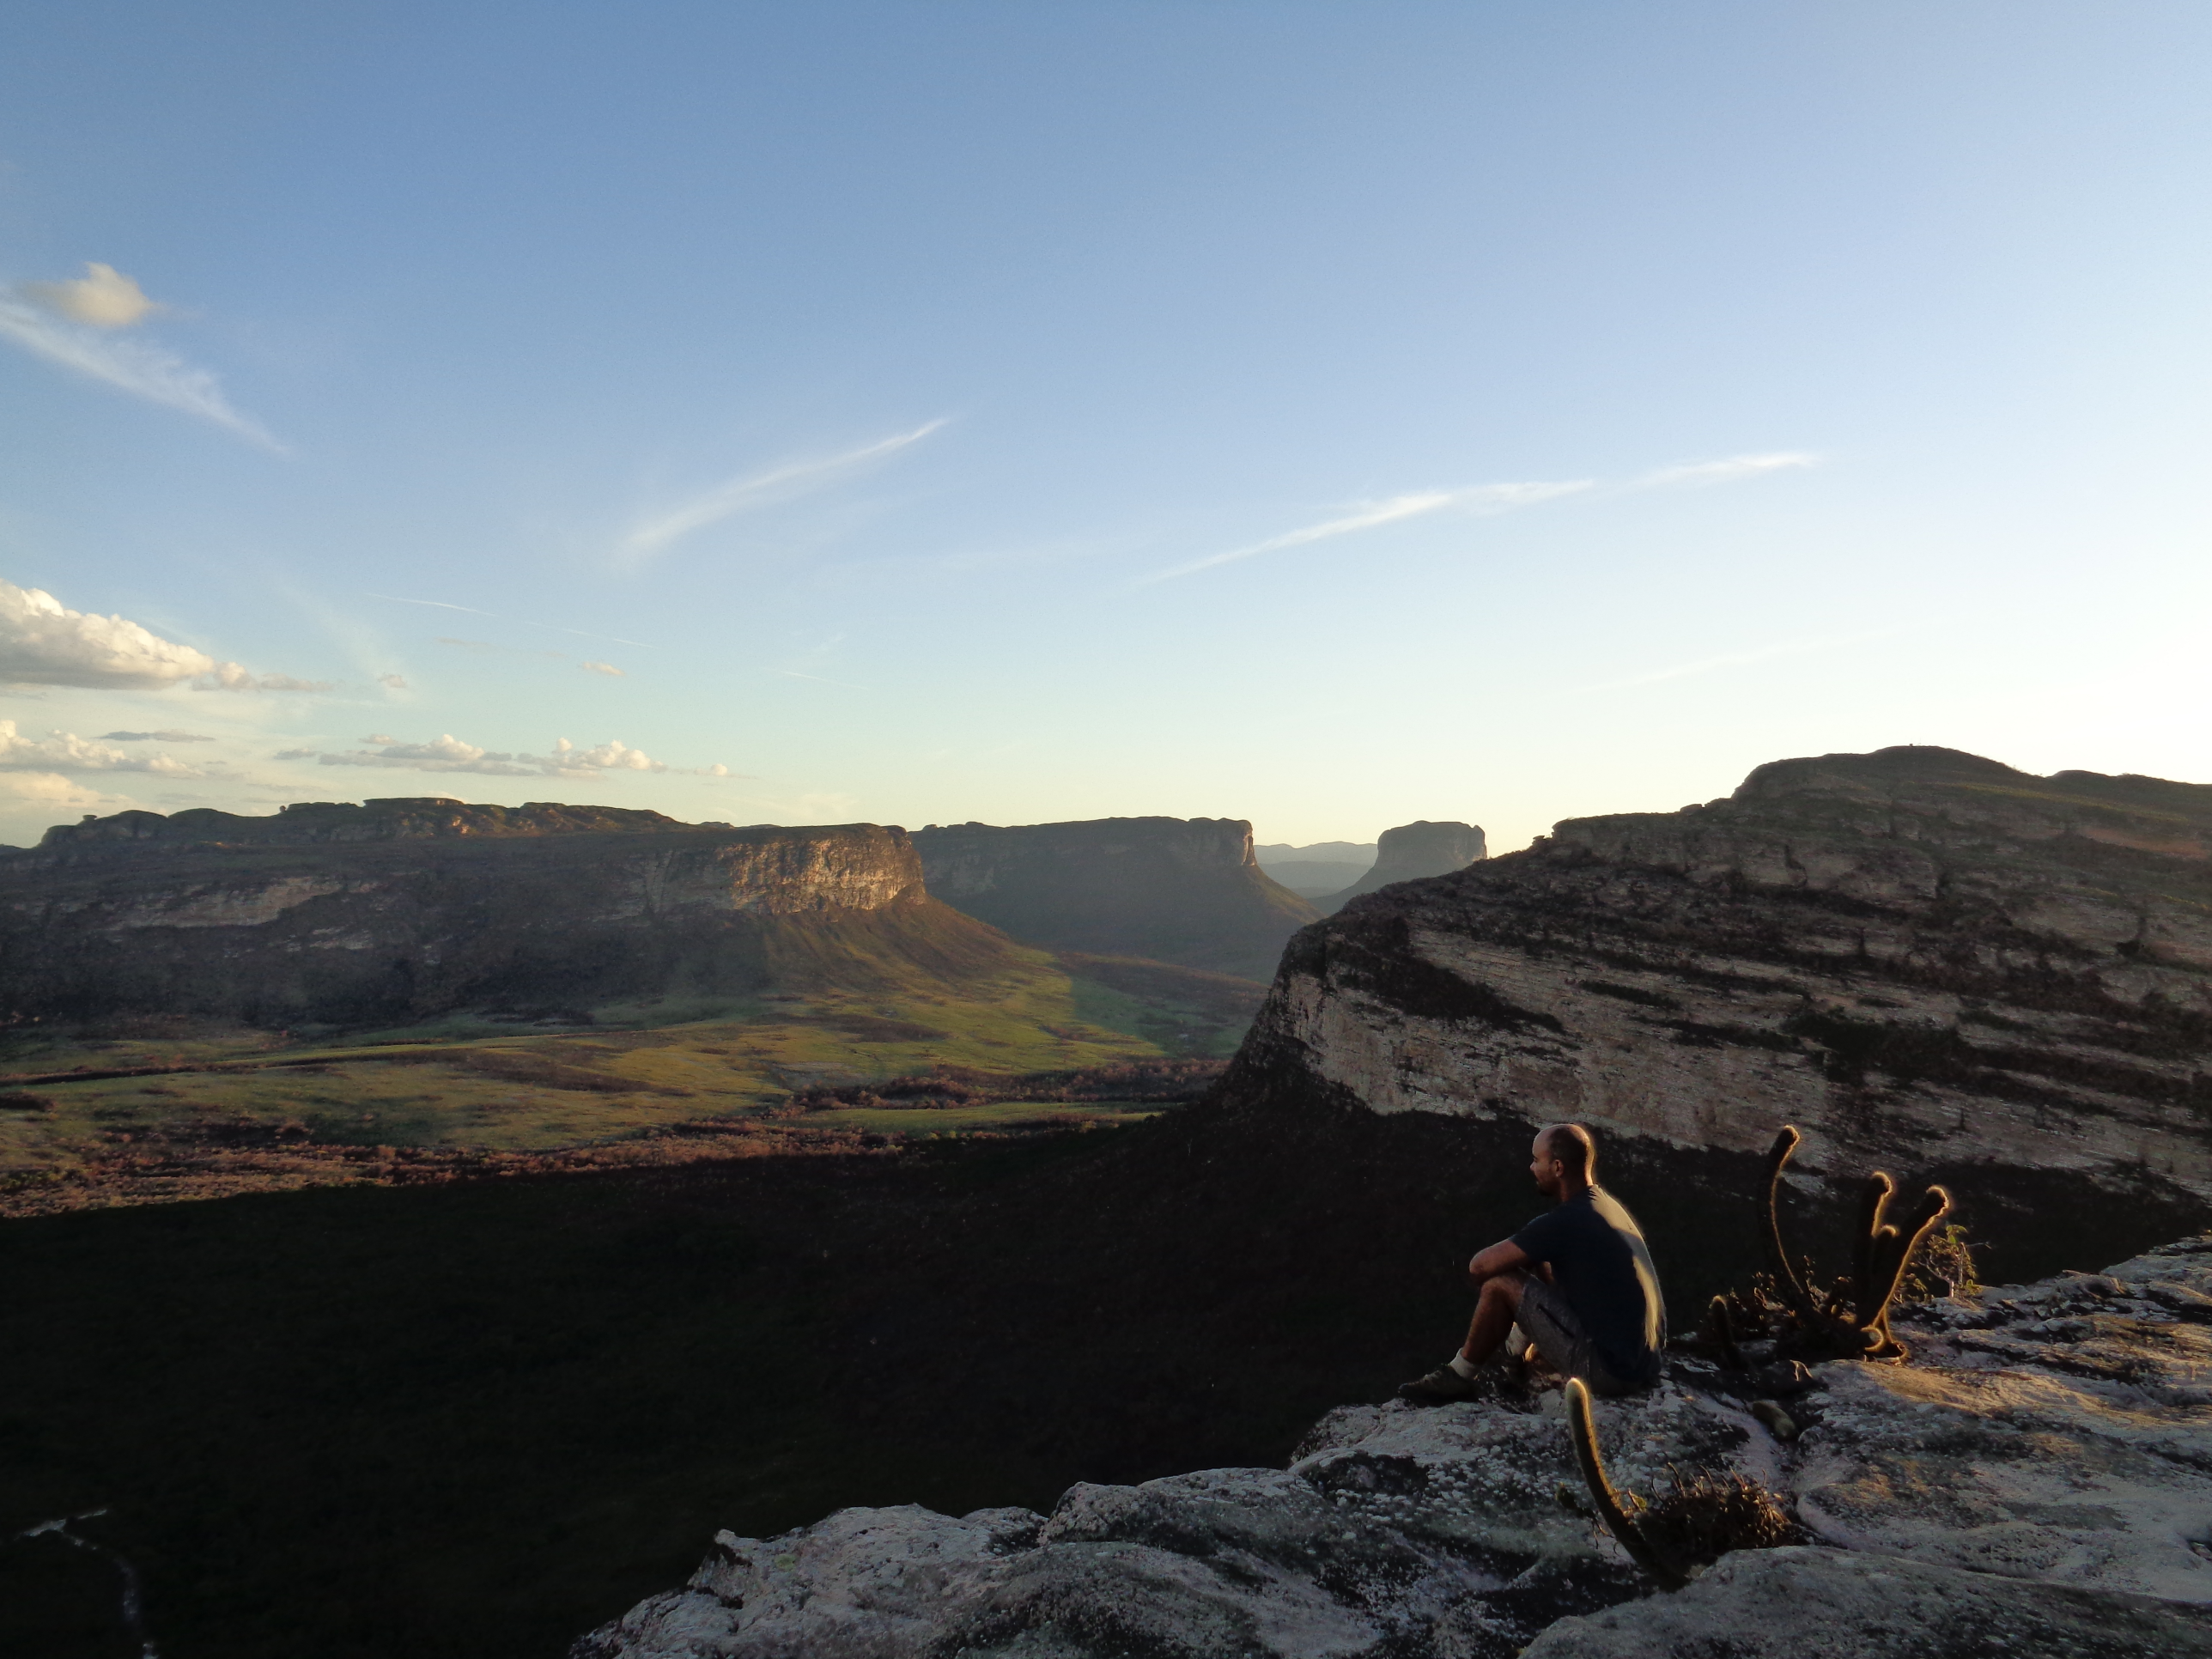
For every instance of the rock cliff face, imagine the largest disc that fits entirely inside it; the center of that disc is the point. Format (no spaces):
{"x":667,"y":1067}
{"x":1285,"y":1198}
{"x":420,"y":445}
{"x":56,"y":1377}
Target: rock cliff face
{"x":2037,"y":1483}
{"x":1184,"y":890}
{"x":1410,"y":851}
{"x":402,"y":909}
{"x":1914,"y":954}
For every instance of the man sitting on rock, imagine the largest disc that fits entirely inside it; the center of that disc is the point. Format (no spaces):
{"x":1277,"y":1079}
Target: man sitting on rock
{"x":1577,"y":1280}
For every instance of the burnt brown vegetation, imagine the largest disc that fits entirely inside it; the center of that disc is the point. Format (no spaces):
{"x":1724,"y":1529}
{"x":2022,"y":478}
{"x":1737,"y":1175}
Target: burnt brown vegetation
{"x":1163,"y":1082}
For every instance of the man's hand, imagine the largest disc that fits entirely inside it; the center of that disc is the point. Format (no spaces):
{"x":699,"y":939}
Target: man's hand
{"x":1503,"y":1257}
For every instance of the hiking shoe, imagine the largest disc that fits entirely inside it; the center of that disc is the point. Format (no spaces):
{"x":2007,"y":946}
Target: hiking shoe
{"x":1442,"y":1386}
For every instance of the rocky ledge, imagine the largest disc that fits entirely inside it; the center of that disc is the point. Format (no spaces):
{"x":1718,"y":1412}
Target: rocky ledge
{"x":2036,"y":1481}
{"x":1914,"y":949}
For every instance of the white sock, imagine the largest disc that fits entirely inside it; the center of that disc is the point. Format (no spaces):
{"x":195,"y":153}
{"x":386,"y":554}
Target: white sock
{"x":1464,"y":1366}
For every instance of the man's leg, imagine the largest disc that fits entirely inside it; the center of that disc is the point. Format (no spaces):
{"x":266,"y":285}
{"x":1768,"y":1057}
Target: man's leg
{"x":1458,"y":1379}
{"x":1495,"y":1310}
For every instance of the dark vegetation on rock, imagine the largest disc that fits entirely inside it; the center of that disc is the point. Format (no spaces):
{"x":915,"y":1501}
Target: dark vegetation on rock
{"x":1183,"y":890}
{"x":1162,"y":1082}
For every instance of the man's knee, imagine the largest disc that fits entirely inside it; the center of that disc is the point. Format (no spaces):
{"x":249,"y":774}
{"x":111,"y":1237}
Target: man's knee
{"x":1505,"y":1288}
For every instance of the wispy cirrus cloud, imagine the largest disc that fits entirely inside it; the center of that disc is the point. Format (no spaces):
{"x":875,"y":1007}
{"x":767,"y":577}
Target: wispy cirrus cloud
{"x":819,"y":679}
{"x":1487,"y":499}
{"x":519,"y":622}
{"x":72,"y":324}
{"x":1729,"y":470}
{"x":1481,"y":499}
{"x":756,"y":490}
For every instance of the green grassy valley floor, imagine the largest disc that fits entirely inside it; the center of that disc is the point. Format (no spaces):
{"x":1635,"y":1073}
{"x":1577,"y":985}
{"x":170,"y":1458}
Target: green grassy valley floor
{"x":472,"y":1420}
{"x":218,"y":1111}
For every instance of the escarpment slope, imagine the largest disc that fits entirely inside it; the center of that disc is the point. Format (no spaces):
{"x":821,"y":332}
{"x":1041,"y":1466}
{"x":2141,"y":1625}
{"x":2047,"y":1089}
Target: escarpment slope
{"x":1184,"y":890}
{"x":1913,"y":954}
{"x":401,"y":908}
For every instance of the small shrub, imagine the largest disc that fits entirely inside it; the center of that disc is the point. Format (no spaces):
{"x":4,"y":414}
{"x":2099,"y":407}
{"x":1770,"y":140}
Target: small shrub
{"x":1943,"y":1265}
{"x":1704,"y":1515}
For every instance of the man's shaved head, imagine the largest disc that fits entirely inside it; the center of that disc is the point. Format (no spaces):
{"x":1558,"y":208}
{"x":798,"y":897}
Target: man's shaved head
{"x":1571,"y":1145}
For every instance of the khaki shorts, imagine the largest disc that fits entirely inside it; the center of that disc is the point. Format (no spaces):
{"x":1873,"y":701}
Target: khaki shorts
{"x":1547,"y":1319}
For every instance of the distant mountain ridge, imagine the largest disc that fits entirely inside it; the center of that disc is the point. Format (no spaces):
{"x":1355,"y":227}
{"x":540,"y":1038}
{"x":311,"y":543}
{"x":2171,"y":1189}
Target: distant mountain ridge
{"x":401,"y":817}
{"x":403,"y":908}
{"x":1412,"y":852}
{"x":1321,"y":868}
{"x":1185,"y":891}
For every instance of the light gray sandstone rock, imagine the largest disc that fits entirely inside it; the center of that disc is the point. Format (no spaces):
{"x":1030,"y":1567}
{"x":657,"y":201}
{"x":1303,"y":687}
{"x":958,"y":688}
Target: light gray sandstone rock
{"x":1799,"y":1603}
{"x":2037,"y":1482}
{"x":1913,"y":953}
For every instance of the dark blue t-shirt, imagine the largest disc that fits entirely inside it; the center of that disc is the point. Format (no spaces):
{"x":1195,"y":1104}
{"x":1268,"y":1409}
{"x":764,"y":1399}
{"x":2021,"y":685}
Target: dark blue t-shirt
{"x":1600,"y":1265}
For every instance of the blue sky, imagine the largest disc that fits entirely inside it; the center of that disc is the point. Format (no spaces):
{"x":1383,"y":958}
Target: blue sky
{"x":1330,"y":416}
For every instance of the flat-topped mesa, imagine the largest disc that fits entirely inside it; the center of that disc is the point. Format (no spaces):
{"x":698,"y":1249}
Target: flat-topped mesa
{"x":1412,"y":852}
{"x":1177,"y":890}
{"x":401,"y":817}
{"x":402,"y":909}
{"x":2007,"y":974}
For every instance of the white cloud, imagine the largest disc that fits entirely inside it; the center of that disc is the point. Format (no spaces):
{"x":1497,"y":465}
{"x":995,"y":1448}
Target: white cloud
{"x":46,"y":786}
{"x":155,"y":737}
{"x":65,"y":752}
{"x":742,"y":495}
{"x":44,"y":643}
{"x":103,"y":297}
{"x":445,"y":754}
{"x":1484,"y":499}
{"x":51,"y":319}
{"x":450,"y":753}
{"x":393,"y":681}
{"x":229,"y":676}
{"x":601,"y":668}
{"x":1725,"y":471}
{"x":52,"y":789}
{"x":611,"y":757}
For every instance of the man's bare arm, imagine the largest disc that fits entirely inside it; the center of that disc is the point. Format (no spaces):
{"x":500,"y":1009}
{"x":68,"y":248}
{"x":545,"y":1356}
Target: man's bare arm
{"x":1503,"y":1257}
